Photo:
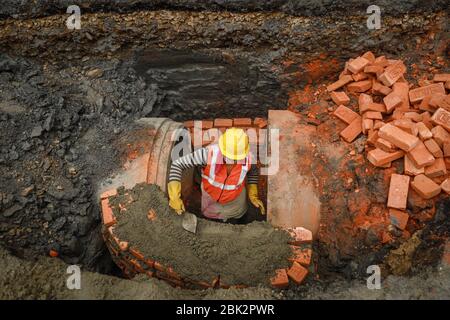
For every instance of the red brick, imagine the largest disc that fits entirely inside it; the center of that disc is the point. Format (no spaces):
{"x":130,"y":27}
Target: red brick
{"x":280,"y":280}
{"x":398,"y":137}
{"x":444,"y":103}
{"x":53,"y":253}
{"x":436,"y":169}
{"x":425,"y":104}
{"x":369,"y":56}
{"x":340,"y":98}
{"x":107,"y":214}
{"x":438,"y":100}
{"x":352,"y":130}
{"x":366,"y":125}
{"x":108,"y":194}
{"x":188,"y":124}
{"x":340,"y":83}
{"x":357,"y":65}
{"x":385,"y":145}
{"x":398,"y":218}
{"x":378,"y":124}
{"x":137,"y":266}
{"x":447,"y":85}
{"x":299,"y":236}
{"x":345,"y":114}
{"x":446,"y":148}
{"x":414,"y":116}
{"x":392,"y":73}
{"x":205,"y":124}
{"x":416,"y":95}
{"x":406,"y":125}
{"x":441,"y":77}
{"x":297,"y":273}
{"x":377,"y":70}
{"x":421,"y":156}
{"x":440,"y":135}
{"x":223,"y":122}
{"x":426,"y":119}
{"x":410,"y":168}
{"x":442,"y":118}
{"x":434,"y":148}
{"x":425,"y":187}
{"x":302,"y":256}
{"x":398,"y":191}
{"x":158,"y":266}
{"x":376,"y":115}
{"x":242,"y":122}
{"x":150,"y":263}
{"x":123,"y":245}
{"x":380,"y":158}
{"x":260,"y":122}
{"x":360,"y":76}
{"x":445,"y":186}
{"x":372,"y":137}
{"x":363,"y":101}
{"x":392,"y":100}
{"x":378,"y":88}
{"x":360,"y":86}
{"x":381,"y":61}
{"x":376,"y":107}
{"x":136,"y":253}
{"x":401,"y":89}
{"x":424,"y":132}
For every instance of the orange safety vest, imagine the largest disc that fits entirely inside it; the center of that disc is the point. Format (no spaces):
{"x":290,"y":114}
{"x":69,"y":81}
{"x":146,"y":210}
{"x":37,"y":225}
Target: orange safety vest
{"x":217,"y":183}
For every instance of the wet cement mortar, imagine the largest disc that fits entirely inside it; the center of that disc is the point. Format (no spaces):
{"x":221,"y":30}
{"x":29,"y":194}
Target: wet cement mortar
{"x":240,"y":254}
{"x":68,"y":101}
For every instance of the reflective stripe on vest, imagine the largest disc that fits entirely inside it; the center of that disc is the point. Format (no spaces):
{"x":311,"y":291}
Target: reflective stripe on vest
{"x":212,"y":171}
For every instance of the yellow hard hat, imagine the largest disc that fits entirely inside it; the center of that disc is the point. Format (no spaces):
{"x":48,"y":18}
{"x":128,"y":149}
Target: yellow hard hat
{"x":234,"y":144}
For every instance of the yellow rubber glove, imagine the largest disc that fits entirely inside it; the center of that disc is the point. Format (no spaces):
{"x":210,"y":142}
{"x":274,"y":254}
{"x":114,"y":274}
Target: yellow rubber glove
{"x":254,"y":199}
{"x":174,"y":191}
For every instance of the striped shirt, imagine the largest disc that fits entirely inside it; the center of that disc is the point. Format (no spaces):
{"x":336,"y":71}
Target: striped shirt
{"x":200,"y":158}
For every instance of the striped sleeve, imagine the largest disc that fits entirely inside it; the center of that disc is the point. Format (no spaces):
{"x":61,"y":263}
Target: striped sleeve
{"x":197,"y":158}
{"x":253,"y":175}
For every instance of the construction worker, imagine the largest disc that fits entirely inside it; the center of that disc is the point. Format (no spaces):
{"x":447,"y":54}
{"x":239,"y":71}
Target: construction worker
{"x":224,"y":167}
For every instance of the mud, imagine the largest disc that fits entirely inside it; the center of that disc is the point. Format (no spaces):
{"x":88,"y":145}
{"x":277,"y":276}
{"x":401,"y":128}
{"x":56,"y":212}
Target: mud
{"x":240,"y":254}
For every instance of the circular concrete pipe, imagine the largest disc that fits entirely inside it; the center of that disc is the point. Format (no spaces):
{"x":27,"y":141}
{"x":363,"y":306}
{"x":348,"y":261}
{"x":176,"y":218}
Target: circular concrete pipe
{"x":170,"y":142}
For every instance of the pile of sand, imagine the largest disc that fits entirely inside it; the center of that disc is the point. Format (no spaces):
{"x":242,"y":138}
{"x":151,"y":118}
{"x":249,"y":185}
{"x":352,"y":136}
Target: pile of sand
{"x":240,"y":254}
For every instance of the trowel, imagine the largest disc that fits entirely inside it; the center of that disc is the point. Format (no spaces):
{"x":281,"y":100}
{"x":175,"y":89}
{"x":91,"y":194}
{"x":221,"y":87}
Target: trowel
{"x":189,"y":222}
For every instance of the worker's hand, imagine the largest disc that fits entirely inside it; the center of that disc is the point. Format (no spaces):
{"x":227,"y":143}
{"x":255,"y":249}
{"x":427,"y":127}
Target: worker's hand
{"x":254,"y":199}
{"x":175,"y":202}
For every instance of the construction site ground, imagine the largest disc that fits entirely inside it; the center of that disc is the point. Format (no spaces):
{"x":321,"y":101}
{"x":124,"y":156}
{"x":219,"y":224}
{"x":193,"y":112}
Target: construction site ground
{"x":68,"y":105}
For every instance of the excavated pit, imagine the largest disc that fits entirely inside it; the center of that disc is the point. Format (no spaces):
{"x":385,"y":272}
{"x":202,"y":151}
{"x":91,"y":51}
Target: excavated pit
{"x":69,"y":100}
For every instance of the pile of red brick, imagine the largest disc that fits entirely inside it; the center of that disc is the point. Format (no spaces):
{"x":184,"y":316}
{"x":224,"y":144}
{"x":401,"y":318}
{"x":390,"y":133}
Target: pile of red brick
{"x":400,"y":122}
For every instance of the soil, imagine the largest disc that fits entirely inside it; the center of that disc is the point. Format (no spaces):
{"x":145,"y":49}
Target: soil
{"x":240,"y":254}
{"x":49,"y":276}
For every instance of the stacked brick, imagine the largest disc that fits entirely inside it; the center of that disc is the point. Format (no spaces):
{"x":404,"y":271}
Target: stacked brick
{"x":132,"y":261}
{"x":400,"y":122}
{"x":204,"y":132}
